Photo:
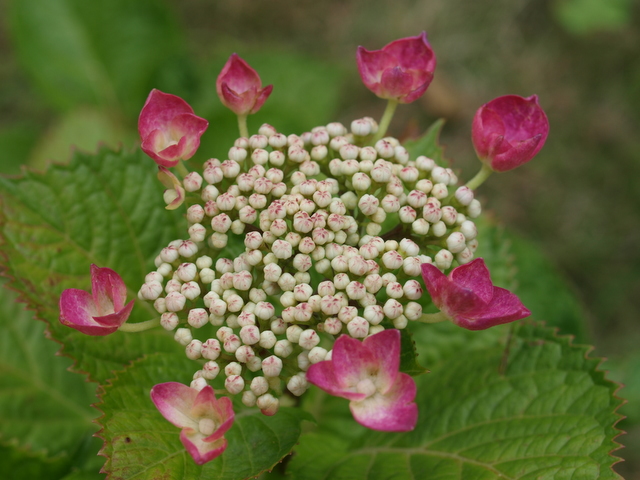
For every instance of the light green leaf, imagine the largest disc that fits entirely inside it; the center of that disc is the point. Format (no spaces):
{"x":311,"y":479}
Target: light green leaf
{"x":551,"y":415}
{"x":428,"y":145}
{"x":45,"y":413}
{"x":105,"y":209}
{"x":141,"y":444}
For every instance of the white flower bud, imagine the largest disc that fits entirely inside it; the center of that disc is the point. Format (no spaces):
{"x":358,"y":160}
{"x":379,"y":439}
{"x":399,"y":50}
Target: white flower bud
{"x":440,"y":191}
{"x":169,"y":254}
{"x":293,"y":333}
{"x":187,"y":272}
{"x":160,"y":305}
{"x":169,"y":320}
{"x":443,"y":259}
{"x":248,"y":398}
{"x":298,"y":384}
{"x":392,"y":260}
{"x":198,"y":383}
{"x":368,"y":204}
{"x":150,"y":290}
{"x":355,"y":290}
{"x":308,"y":339}
{"x":449,"y":215}
{"x":190,"y":290}
{"x":271,"y":366}
{"x":412,"y":266}
{"x":409,"y":174}
{"x":278,"y":326}
{"x":165,"y":269}
{"x":198,"y":317}
{"x":195,"y":214}
{"x":474,"y":209}
{"x":440,"y":175}
{"x":287,"y":282}
{"x":400,"y":322}
{"x":268,"y":404}
{"x":259,"y":386}
{"x":407,"y":214}
{"x":465,"y":256}
{"x":413,"y":311}
{"x":250,"y":334}
{"x":210,"y":370}
{"x":211,"y":349}
{"x":192,"y":182}
{"x":392,"y":308}
{"x":464,"y":195}
{"x":412,"y":289}
{"x":283,"y":348}
{"x":394,"y":290}
{"x":373,"y":314}
{"x":231,"y":343}
{"x":234,"y":384}
{"x":183,"y":336}
{"x":194,"y":349}
{"x":254,"y":363}
{"x":235,"y":303}
{"x":469,"y":230}
{"x":357,"y":328}
{"x":456,"y":242}
{"x":244,"y":353}
{"x":332,"y":325}
{"x":409,"y":247}
{"x":175,"y":301}
{"x":438,"y":229}
{"x":281,"y":249}
{"x":317,"y":354}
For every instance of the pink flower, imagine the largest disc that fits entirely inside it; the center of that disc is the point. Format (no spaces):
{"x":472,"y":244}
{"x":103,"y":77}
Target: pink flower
{"x":203,"y":418}
{"x":509,"y":131}
{"x":172,"y":183}
{"x":402,"y":70}
{"x":469,"y":298}
{"x":240,"y":88}
{"x":169,"y":130}
{"x":100,"y":312}
{"x":367,"y":374}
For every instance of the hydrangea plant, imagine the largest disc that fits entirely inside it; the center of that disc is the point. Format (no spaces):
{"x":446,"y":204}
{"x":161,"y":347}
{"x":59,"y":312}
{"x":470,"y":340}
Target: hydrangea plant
{"x":320,"y":263}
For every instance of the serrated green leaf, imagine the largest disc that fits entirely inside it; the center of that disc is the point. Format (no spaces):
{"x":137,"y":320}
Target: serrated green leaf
{"x":141,"y":444}
{"x":428,"y":145}
{"x":408,"y":361}
{"x":550,"y":416}
{"x":105,"y":209}
{"x":44,"y":409}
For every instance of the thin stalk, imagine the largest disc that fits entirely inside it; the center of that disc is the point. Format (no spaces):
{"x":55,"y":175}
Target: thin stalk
{"x":140,"y":326}
{"x":433,"y":317}
{"x":480,"y":177}
{"x":182,"y":169}
{"x":242,"y":126}
{"x":385,"y":120}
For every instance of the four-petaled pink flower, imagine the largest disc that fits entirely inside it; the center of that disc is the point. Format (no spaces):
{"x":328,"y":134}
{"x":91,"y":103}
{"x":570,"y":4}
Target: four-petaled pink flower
{"x":100,"y":312}
{"x":467,"y":296}
{"x":168,"y":128}
{"x":240,"y":88}
{"x":382,"y":398}
{"x":402,"y":70}
{"x":509,"y":131}
{"x":203,"y":418}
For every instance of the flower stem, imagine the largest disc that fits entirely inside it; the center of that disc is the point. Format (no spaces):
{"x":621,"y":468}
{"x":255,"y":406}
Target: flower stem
{"x":433,"y":317}
{"x":480,"y":177}
{"x":182,"y":170}
{"x":385,"y":120}
{"x":242,"y":126}
{"x":140,"y":326}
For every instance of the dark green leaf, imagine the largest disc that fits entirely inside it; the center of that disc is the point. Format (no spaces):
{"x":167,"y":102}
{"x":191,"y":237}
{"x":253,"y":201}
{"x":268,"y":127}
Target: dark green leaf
{"x":428,"y":145}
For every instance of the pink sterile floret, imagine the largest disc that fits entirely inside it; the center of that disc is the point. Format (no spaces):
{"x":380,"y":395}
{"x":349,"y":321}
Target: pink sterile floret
{"x":382,"y":398}
{"x":100,"y":312}
{"x":402,"y":70}
{"x":240,"y":88}
{"x":170,"y":181}
{"x":467,"y":296}
{"x":509,"y":131}
{"x":168,"y":128}
{"x":203,"y":418}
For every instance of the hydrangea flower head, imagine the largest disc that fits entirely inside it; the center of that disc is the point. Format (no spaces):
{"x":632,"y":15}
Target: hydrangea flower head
{"x":169,"y":129}
{"x":509,"y":131}
{"x":467,"y":296}
{"x":402,"y":70}
{"x":100,"y":312}
{"x":203,"y":418}
{"x":382,"y":398}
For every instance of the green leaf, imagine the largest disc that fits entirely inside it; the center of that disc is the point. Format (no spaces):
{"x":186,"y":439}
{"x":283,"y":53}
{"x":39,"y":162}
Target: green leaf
{"x":141,"y":444}
{"x":428,"y":145}
{"x":581,"y":17}
{"x":44,"y":409}
{"x":105,"y":209}
{"x":408,"y":361}
{"x":551,"y":415}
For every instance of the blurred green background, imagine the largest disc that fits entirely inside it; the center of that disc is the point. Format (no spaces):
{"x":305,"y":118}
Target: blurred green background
{"x":77,"y":72}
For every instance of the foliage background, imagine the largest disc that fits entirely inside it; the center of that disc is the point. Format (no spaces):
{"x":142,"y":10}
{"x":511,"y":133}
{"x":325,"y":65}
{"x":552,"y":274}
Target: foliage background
{"x":77,"y":73}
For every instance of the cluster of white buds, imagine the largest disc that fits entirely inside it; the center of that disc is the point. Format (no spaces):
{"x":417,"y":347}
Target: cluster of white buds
{"x":294,"y":240}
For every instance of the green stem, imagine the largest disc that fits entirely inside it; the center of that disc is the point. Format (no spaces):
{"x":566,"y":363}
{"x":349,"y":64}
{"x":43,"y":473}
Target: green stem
{"x":480,"y":177}
{"x":433,"y":318}
{"x":139,"y":327}
{"x":385,"y":120}
{"x":242,"y":126}
{"x":182,"y":170}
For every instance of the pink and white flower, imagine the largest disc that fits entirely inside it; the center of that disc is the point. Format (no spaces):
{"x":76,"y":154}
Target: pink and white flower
{"x":402,"y":70}
{"x":467,"y":296}
{"x":203,"y":418}
{"x":169,"y":129}
{"x":100,"y":312}
{"x":174,"y":195}
{"x":382,"y":398}
{"x":240,"y":88}
{"x":509,"y":131}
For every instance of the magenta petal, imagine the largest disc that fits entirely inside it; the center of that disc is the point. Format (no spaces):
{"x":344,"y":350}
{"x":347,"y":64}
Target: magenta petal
{"x":513,"y":158}
{"x":391,"y":412}
{"x":413,"y":53}
{"x":396,"y":83}
{"x":323,"y":375}
{"x":351,"y":361}
{"x":174,"y":401}
{"x":262,"y":97}
{"x":474,"y":276}
{"x":189,"y":128}
{"x":159,"y":109}
{"x":239,"y":87}
{"x":505,"y":307}
{"x":77,"y":309}
{"x":115,"y":320}
{"x":200,"y":450}
{"x":435,"y":281}
{"x":109,"y":290}
{"x":385,"y":347}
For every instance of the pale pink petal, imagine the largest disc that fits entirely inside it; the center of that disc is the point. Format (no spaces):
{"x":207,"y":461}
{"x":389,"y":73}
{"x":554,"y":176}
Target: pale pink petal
{"x":220,"y":410}
{"x":322,"y":374}
{"x":385,"y":348}
{"x":174,"y":401}
{"x":474,"y":276}
{"x":200,"y":450}
{"x":394,"y":411}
